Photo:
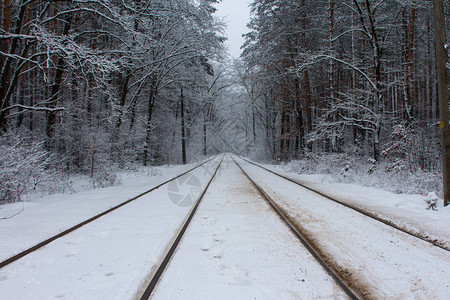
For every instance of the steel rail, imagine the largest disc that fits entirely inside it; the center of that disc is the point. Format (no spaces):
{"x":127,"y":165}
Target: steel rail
{"x":75,"y":227}
{"x":297,"y":232}
{"x":165,"y":262}
{"x":373,"y":216}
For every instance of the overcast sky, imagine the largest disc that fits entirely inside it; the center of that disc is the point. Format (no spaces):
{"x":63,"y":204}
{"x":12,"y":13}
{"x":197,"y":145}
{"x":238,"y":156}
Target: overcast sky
{"x":237,"y":15}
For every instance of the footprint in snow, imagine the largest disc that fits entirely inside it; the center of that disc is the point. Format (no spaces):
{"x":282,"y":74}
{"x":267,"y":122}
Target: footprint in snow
{"x":218,"y":240}
{"x":235,"y":275}
{"x":205,"y":247}
{"x":3,"y":277}
{"x":109,"y":274}
{"x":218,"y":253}
{"x":72,"y":253}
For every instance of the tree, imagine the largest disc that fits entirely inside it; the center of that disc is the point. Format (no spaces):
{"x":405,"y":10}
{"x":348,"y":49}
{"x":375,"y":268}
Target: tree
{"x":73,"y":73}
{"x":442,"y":58}
{"x":344,"y":74}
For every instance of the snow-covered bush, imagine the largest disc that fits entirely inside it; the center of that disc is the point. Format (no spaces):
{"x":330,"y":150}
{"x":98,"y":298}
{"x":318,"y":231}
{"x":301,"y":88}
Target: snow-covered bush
{"x":398,"y":152}
{"x":22,"y":165}
{"x":348,"y":168}
{"x":410,"y":150}
{"x":304,"y":166}
{"x":105,"y":179}
{"x":152,"y":171}
{"x":432,"y":201}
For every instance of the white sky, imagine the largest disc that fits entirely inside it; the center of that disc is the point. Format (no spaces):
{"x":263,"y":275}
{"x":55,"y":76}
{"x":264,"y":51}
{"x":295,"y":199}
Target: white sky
{"x":237,"y":15}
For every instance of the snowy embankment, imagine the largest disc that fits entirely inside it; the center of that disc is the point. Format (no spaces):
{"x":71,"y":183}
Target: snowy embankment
{"x":109,"y":258}
{"x":235,"y":243}
{"x":404,"y":210}
{"x":376,"y":260}
{"x":25,"y":224}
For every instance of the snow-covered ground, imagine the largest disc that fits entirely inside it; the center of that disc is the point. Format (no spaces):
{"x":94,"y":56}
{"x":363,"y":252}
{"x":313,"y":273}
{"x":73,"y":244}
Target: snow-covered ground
{"x":405,"y":210}
{"x":236,"y":247}
{"x":379,"y":261}
{"x":106,"y":259}
{"x":23,"y":225}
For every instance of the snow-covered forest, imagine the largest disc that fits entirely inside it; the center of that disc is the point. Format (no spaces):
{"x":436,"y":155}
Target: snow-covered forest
{"x":92,"y":87}
{"x":352,"y":78}
{"x":144,"y":155}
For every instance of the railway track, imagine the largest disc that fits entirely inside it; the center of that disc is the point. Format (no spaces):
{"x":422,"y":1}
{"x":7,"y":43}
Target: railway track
{"x":351,"y":293}
{"x":312,"y":243}
{"x":32,"y":249}
{"x":371,"y":215}
{"x":342,"y":246}
{"x":154,"y":278}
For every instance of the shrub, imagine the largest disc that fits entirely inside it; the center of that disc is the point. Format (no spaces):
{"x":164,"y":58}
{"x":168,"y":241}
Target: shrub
{"x":348,"y":168}
{"x":22,"y":164}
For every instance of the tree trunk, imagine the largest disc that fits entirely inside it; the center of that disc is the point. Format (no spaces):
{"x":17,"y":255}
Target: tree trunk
{"x":122,"y":102}
{"x":51,"y":103}
{"x":253,"y":122}
{"x":331,"y":75}
{"x":151,"y":102}
{"x":204,"y":138}
{"x":282,"y":133}
{"x":5,"y":13}
{"x":331,"y":45}
{"x":376,"y":102}
{"x":443,"y":91}
{"x":410,"y":93}
{"x":306,"y":82}
{"x":6,"y":63}
{"x":183,"y":130}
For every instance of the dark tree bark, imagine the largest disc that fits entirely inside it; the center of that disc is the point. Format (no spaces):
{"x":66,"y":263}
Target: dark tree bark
{"x":410,"y":90}
{"x":183,"y":130}
{"x":444,"y":95}
{"x":54,"y":94}
{"x":306,"y":81}
{"x":6,"y":63}
{"x":123,"y":97}
{"x":151,"y":102}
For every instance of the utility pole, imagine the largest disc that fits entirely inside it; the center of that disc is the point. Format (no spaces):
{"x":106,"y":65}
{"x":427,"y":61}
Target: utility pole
{"x":183,"y":130}
{"x":443,"y":91}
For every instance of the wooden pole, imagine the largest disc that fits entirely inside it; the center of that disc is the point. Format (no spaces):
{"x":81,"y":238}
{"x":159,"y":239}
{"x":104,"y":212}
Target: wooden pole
{"x":443,"y":90}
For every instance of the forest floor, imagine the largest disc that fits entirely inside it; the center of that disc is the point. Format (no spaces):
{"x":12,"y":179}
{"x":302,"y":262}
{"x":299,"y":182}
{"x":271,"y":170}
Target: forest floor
{"x":235,"y":247}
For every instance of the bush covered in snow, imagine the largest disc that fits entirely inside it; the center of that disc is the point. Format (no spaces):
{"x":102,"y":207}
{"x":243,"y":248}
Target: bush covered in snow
{"x":409,"y":164}
{"x":345,"y":168}
{"x":432,"y":201}
{"x":22,"y":165}
{"x":105,"y":179}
